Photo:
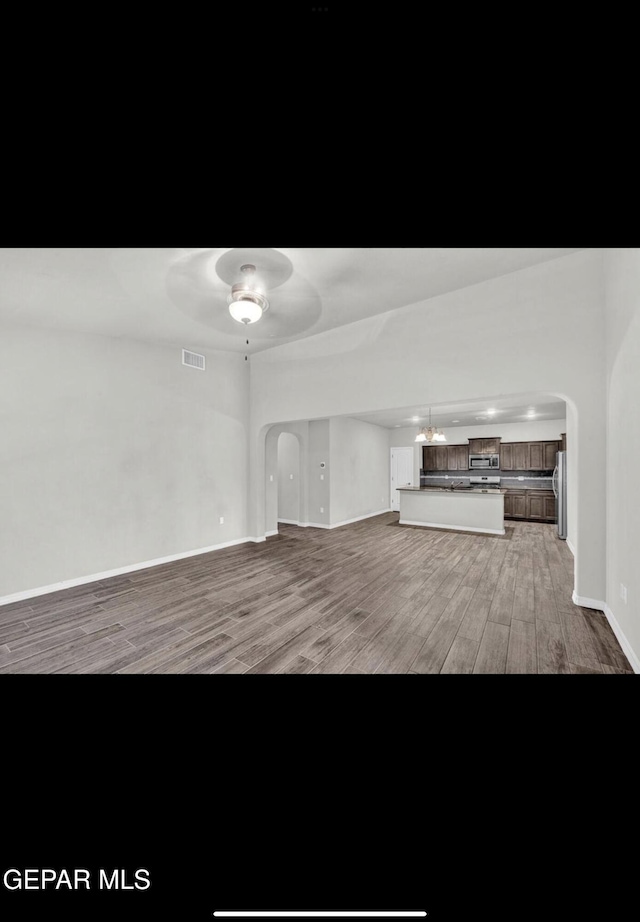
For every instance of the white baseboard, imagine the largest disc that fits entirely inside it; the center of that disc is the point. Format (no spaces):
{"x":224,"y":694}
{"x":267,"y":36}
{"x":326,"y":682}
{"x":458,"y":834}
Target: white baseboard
{"x":480,"y":531}
{"x":287,"y":522}
{"x":271,"y":534}
{"x":622,"y":640}
{"x":360,"y":518}
{"x":571,"y":547}
{"x":584,"y":602}
{"x":615,"y":627}
{"x":121,"y":571}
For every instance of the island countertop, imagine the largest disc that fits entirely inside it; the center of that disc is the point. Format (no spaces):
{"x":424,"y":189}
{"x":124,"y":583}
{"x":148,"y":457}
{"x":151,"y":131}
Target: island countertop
{"x":477,"y":510}
{"x":464,"y":491}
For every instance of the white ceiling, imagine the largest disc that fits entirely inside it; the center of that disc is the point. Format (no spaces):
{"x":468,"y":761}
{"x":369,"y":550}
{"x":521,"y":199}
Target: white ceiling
{"x":174,"y":295}
{"x":508,"y":410}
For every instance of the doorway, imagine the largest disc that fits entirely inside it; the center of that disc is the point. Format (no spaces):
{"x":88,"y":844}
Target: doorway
{"x":288,"y":479}
{"x":401,"y":473}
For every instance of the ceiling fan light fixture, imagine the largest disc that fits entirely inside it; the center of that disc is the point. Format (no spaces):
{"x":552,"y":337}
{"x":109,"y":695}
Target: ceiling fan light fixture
{"x":246,"y":303}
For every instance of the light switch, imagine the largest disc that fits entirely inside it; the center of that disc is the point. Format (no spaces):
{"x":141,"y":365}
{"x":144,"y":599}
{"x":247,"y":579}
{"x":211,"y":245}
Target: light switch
{"x":290,"y":476}
{"x":321,"y":476}
{"x":222,"y":520}
{"x":271,"y":478}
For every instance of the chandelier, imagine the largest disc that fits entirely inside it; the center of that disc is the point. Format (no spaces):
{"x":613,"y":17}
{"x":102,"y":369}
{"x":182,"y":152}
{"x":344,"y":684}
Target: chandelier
{"x":431,"y":433}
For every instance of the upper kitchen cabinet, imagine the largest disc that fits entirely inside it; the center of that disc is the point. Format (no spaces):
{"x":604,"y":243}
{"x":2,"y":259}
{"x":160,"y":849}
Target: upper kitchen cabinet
{"x":506,"y":457}
{"x":462,"y":455}
{"x":528,"y":456}
{"x":445,"y":458}
{"x":442,"y":458}
{"x":536,"y":456}
{"x":484,"y":446}
{"x":429,"y":460}
{"x":521,"y":456}
{"x":491,"y":446}
{"x":551,"y":449}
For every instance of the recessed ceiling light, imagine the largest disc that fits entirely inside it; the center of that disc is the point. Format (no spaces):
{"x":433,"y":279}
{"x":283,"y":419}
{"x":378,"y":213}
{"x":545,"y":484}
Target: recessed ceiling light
{"x":491,"y":412}
{"x":455,"y":420}
{"x":397,"y":427}
{"x":415,"y":419}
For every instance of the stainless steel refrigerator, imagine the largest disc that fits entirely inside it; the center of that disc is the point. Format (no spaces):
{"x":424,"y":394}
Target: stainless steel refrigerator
{"x":560,"y":490}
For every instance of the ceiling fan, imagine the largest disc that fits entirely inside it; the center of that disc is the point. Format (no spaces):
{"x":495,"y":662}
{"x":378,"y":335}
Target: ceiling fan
{"x":251,"y":286}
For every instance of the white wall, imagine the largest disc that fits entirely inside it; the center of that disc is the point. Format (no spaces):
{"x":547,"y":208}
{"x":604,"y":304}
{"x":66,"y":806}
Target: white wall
{"x":544,"y":430}
{"x":545,"y":337}
{"x":320,"y":478}
{"x":112,"y":453}
{"x":360,"y":469}
{"x":622,"y":275}
{"x":288,"y":488}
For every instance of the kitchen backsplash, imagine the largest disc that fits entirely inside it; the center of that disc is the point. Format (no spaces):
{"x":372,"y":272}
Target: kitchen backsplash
{"x":531,"y":479}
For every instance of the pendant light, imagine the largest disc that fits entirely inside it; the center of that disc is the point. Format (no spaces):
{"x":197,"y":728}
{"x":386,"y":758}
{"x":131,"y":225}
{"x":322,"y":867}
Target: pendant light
{"x":431,"y":433}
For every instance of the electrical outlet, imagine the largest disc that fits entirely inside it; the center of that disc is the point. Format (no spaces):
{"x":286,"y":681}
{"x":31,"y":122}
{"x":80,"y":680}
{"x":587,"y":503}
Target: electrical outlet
{"x":623,"y":593}
{"x":222,"y":520}
{"x":322,"y":509}
{"x":321,"y":476}
{"x":271,"y":478}
{"x":446,"y":477}
{"x":290,"y":476}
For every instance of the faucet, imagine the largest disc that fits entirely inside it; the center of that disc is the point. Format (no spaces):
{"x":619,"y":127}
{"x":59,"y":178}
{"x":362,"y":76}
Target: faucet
{"x":460,"y":483}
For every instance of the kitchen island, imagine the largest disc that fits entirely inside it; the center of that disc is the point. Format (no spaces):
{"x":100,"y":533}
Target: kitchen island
{"x":465,"y":509}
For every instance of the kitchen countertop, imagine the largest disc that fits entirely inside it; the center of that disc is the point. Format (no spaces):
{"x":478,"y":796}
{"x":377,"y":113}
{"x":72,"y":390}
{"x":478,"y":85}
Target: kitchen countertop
{"x":464,"y":491}
{"x":545,"y":489}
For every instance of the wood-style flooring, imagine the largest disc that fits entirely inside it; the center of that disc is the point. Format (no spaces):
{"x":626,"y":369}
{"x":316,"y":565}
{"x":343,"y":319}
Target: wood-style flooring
{"x":373,"y":597}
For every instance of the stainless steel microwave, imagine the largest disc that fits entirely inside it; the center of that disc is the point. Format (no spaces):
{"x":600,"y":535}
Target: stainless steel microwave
{"x":484,"y":462}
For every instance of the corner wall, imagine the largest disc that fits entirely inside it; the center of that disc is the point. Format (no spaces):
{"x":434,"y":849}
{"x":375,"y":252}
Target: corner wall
{"x":360,"y":470}
{"x":112,"y":454}
{"x":622,"y":277}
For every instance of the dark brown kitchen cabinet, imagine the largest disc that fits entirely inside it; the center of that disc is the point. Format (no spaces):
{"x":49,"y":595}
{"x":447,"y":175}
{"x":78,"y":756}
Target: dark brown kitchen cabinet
{"x":490,"y":446}
{"x":442,"y":458}
{"x":536,"y":456}
{"x":462,"y":457}
{"x":515,"y":505}
{"x":528,"y":456}
{"x":429,"y":459}
{"x":445,"y":458}
{"x":521,"y":456}
{"x":506,"y":457}
{"x":484,"y":446}
{"x":536,"y":506}
{"x":551,"y":449}
{"x":550,"y":509}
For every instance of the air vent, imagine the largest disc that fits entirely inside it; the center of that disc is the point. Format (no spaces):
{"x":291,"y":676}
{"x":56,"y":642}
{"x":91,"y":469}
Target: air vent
{"x":193,"y":360}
